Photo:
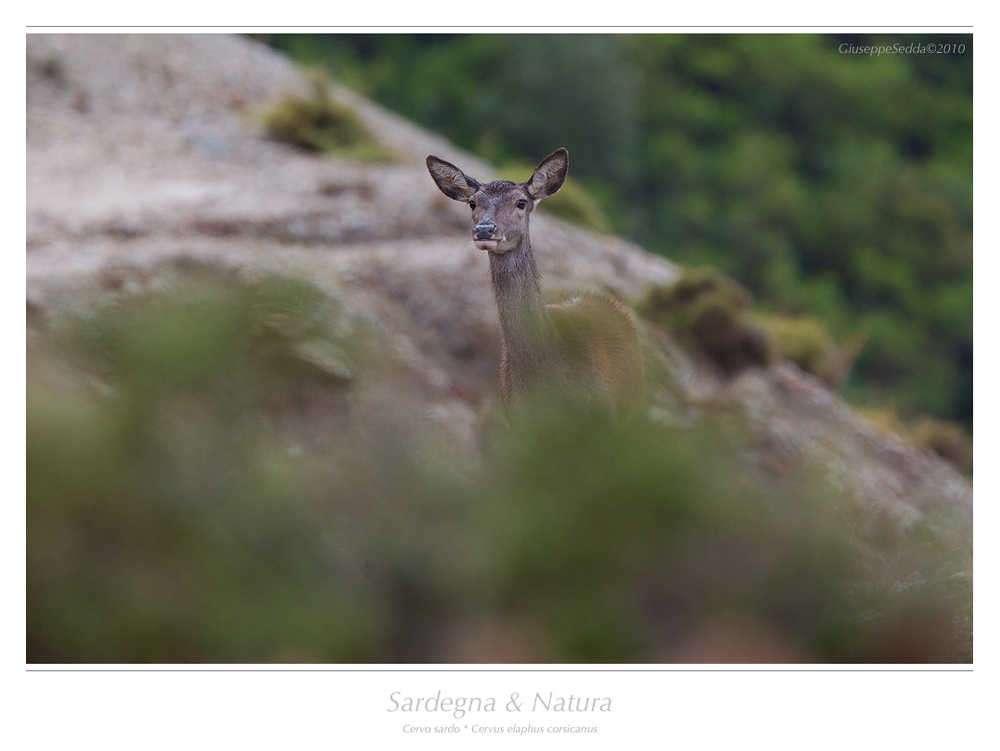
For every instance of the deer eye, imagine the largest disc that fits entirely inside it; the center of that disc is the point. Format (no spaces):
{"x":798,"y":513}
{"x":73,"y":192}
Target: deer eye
{"x":472,"y":204}
{"x":521,"y":204}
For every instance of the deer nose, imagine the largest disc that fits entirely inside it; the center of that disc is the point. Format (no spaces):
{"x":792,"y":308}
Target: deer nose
{"x":484,"y":231}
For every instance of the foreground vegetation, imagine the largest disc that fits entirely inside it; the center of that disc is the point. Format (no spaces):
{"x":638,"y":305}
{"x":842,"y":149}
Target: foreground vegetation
{"x":181,"y":508}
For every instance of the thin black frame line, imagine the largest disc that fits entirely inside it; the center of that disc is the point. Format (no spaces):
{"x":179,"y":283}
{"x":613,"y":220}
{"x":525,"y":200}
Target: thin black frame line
{"x":435,"y":26}
{"x":495,"y":670}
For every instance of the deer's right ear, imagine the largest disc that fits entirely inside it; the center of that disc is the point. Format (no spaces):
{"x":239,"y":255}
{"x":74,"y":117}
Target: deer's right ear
{"x":451,"y":180}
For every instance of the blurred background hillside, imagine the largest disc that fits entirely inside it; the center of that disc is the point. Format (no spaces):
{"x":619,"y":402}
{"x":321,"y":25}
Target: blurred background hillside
{"x":833,"y":186}
{"x":263,"y":421}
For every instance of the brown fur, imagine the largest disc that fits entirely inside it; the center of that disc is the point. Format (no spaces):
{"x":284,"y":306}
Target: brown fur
{"x":598,"y":341}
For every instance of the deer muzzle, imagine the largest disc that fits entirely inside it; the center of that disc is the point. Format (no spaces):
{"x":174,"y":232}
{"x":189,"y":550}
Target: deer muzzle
{"x":484,"y":232}
{"x":487,"y":236}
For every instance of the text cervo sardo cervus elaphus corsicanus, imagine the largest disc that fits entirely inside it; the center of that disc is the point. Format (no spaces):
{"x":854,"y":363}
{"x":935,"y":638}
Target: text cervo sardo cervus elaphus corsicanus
{"x":580,"y":349}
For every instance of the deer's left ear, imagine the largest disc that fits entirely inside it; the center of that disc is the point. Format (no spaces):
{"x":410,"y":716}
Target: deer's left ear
{"x":549,"y":175}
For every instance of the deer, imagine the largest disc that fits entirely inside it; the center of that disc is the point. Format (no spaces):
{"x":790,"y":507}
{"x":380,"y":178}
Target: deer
{"x":579,"y":349}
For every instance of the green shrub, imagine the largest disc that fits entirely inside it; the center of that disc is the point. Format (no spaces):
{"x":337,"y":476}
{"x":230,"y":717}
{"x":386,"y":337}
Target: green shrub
{"x":320,"y":123}
{"x":709,"y":310}
{"x":885,"y":419}
{"x":945,"y":438}
{"x":805,"y":342}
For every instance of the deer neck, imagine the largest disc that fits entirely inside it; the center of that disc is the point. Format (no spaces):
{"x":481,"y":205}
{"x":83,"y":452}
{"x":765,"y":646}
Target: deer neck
{"x":526,"y":332}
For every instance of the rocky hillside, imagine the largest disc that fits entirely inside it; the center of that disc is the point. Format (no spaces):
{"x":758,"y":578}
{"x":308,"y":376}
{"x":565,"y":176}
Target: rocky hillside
{"x":149,"y":170}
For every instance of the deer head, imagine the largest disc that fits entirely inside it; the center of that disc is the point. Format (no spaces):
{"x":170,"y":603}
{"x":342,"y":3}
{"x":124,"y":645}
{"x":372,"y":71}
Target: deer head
{"x":500,"y":209}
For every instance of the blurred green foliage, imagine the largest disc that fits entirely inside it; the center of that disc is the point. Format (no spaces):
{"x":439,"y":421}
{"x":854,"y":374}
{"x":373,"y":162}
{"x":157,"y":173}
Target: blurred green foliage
{"x":162,"y":527}
{"x":712,"y":314}
{"x":709,"y":310}
{"x":832,"y":185}
{"x":179,"y":509}
{"x":804,"y":341}
{"x":945,"y":439}
{"x":320,"y":123}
